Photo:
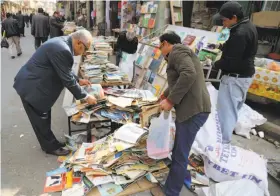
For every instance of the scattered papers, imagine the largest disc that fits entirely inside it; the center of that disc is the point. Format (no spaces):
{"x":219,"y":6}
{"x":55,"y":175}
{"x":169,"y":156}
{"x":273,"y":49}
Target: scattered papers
{"x":101,"y":180}
{"x":148,"y":96}
{"x":130,"y":133}
{"x":120,"y":101}
{"x":76,"y":190}
{"x":120,"y":180}
{"x":109,"y":189}
{"x":56,"y":172}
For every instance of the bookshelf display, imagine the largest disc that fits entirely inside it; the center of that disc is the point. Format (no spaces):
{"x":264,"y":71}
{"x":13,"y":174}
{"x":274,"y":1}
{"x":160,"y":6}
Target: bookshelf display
{"x":176,"y":12}
{"x":147,"y":19}
{"x":149,"y":72}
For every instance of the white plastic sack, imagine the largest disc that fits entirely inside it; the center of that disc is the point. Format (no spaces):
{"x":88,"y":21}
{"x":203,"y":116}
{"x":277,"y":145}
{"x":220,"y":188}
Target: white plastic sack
{"x":248,"y":119}
{"x":231,"y":188}
{"x":161,"y":136}
{"x":224,"y":162}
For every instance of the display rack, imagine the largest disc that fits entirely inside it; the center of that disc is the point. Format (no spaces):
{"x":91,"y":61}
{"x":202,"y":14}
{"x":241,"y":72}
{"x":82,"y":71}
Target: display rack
{"x":176,"y":12}
{"x":147,"y":19}
{"x":149,"y":69}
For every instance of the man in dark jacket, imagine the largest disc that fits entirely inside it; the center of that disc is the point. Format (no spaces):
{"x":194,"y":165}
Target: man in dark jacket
{"x":40,"y":28}
{"x":30,"y":17}
{"x":237,"y":64}
{"x":11,"y":28}
{"x":41,"y":80}
{"x":26,"y":20}
{"x":21,"y":23}
{"x":55,"y":26}
{"x":188,"y":94}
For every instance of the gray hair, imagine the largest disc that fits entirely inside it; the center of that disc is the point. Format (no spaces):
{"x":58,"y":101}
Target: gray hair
{"x":130,"y":35}
{"x":82,"y":35}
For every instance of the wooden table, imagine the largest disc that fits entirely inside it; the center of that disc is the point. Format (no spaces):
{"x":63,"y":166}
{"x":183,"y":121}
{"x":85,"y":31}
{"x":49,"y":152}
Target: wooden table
{"x":69,"y":100}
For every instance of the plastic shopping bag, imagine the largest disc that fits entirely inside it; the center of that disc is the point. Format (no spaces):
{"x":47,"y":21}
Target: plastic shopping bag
{"x":4,"y":43}
{"x":161,"y":136}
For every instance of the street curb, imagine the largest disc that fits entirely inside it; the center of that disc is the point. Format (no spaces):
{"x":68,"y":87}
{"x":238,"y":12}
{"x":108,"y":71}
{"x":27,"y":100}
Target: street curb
{"x":270,"y":129}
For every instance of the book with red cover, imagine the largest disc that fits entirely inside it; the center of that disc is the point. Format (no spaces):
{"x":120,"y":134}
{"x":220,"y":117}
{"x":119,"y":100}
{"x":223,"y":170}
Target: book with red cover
{"x":55,"y":183}
{"x":151,"y":23}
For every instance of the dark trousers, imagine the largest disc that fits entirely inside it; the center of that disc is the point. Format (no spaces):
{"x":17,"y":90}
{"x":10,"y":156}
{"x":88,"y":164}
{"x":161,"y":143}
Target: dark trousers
{"x":39,"y":40}
{"x":41,"y":123}
{"x":185,"y":135}
{"x":21,"y":30}
{"x":118,"y":57}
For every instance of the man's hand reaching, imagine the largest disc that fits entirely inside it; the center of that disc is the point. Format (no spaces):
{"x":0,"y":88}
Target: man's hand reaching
{"x":91,"y":100}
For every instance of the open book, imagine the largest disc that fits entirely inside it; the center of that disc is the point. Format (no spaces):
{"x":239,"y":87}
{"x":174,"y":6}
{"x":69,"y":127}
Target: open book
{"x":130,"y":133}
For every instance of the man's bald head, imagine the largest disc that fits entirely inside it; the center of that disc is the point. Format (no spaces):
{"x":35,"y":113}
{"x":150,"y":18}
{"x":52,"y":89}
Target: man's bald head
{"x":81,"y":40}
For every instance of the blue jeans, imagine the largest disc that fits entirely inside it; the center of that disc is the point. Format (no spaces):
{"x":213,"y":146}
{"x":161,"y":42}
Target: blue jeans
{"x":185,"y":135}
{"x":232,"y":95}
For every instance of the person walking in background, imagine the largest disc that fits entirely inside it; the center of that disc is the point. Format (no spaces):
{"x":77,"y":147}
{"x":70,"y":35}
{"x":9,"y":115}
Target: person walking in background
{"x":40,"y":28}
{"x":55,"y":25}
{"x":21,"y":23}
{"x":30,"y":17}
{"x":26,"y":20}
{"x":42,"y":79}
{"x":188,"y":94}
{"x":12,"y":33}
{"x":127,"y":42}
{"x":237,"y":64}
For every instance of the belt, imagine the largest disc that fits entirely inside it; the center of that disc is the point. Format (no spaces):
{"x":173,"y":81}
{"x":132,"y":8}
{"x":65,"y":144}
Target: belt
{"x":237,"y":75}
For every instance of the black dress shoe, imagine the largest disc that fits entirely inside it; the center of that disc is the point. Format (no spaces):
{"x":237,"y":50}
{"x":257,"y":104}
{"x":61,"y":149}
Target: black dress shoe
{"x":62,"y":144}
{"x":13,"y":57}
{"x":59,"y":152}
{"x":19,"y":54}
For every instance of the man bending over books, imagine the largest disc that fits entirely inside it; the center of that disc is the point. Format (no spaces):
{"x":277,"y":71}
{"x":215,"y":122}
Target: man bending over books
{"x":188,"y":94}
{"x":40,"y":81}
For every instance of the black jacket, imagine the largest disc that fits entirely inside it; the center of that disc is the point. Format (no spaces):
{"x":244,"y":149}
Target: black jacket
{"x":55,"y":27}
{"x":10,"y":25}
{"x":30,"y":17}
{"x":239,"y":50}
{"x":43,"y":77}
{"x":20,"y":19}
{"x":26,"y":18}
{"x":125,"y":45}
{"x":40,"y":25}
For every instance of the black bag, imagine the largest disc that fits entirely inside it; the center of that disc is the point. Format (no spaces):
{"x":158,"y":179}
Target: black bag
{"x":4,"y":43}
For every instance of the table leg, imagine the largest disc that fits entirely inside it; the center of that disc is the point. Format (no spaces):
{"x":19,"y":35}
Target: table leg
{"x":69,"y":125}
{"x":89,"y":132}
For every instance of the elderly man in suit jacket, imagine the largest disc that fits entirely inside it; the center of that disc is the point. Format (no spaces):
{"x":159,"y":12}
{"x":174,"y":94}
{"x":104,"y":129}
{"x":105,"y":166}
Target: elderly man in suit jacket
{"x":40,"y":28}
{"x":41,"y":80}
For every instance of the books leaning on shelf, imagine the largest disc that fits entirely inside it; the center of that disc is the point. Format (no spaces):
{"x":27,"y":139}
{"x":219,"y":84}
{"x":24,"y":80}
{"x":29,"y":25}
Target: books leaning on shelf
{"x":149,"y":7}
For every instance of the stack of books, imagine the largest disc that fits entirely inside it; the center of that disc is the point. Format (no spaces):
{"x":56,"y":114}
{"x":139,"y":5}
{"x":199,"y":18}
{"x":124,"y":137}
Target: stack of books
{"x":112,"y":77}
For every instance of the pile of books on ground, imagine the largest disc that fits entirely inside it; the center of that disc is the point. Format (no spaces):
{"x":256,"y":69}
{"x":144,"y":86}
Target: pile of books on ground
{"x":107,"y":166}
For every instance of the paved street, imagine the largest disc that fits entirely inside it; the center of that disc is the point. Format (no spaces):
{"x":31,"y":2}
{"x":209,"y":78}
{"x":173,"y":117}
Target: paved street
{"x":24,"y":164}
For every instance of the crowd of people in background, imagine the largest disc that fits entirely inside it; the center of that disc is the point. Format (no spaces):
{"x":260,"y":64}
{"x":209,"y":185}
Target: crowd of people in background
{"x":42,"y":25}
